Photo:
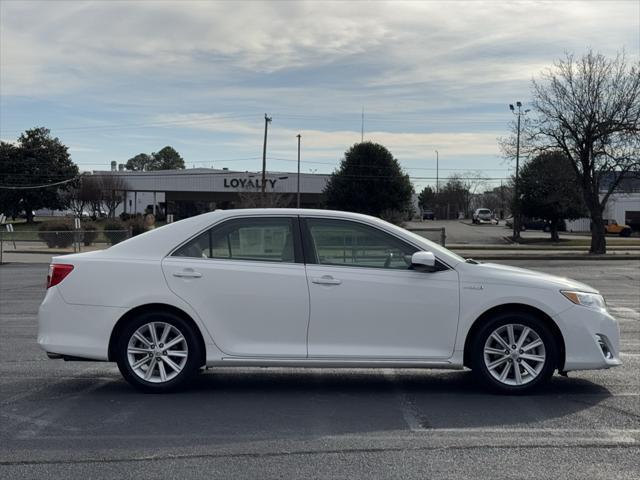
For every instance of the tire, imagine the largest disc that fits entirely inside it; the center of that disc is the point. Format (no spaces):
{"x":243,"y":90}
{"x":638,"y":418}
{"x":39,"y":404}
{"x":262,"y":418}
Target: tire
{"x":171,"y":368}
{"x":626,"y":232}
{"x":513,"y":383}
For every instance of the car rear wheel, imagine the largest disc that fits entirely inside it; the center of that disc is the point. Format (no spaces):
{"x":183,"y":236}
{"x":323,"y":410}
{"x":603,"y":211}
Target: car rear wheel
{"x":158,"y":352}
{"x":514,"y":353}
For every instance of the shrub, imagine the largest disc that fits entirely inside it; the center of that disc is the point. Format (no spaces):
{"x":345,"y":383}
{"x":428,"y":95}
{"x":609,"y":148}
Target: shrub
{"x":394,"y":216}
{"x":128,"y":216}
{"x":56,"y":234}
{"x":90,"y":233}
{"x":137,"y":226}
{"x":114,"y":236}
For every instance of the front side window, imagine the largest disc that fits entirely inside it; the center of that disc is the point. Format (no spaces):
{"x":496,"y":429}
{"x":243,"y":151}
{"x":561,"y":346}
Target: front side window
{"x":252,"y":239}
{"x":340,"y":242}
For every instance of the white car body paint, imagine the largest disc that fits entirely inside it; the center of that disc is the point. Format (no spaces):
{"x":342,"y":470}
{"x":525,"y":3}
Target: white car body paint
{"x":264,"y":313}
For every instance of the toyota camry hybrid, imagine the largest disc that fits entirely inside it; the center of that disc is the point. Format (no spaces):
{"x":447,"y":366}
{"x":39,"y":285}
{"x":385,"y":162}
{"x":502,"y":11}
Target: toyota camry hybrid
{"x":315,"y":288}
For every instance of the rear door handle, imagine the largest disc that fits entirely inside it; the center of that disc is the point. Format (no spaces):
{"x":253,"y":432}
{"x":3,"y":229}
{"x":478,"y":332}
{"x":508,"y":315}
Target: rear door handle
{"x":326,"y":280}
{"x":187,"y":274}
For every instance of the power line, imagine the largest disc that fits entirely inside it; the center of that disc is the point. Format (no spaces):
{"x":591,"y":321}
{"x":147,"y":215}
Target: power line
{"x":33,"y":187}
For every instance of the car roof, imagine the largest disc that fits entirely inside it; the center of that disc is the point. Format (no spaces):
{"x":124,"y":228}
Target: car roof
{"x":159,"y":242}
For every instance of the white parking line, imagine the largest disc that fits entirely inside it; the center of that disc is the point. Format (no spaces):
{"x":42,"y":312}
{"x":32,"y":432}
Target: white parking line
{"x":46,"y":421}
{"x":625,"y":313}
{"x":407,"y":408}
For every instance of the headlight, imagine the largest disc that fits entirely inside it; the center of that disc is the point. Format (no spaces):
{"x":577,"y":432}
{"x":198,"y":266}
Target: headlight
{"x":589,"y":300}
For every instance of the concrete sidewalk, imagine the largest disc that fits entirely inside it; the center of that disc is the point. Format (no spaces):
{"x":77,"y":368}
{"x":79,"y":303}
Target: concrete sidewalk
{"x":486,"y":254}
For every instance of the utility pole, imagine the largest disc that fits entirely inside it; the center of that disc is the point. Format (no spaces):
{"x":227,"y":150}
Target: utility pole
{"x":516,"y":199}
{"x":437,"y":173}
{"x":362,"y":127}
{"x":267,"y":121}
{"x":298,"y":195}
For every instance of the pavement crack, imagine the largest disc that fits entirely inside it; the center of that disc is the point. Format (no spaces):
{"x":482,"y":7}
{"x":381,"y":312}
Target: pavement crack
{"x":352,"y":451}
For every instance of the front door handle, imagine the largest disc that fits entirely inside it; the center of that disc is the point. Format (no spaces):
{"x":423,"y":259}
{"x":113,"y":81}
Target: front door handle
{"x":188,"y":273}
{"x":326,"y":280}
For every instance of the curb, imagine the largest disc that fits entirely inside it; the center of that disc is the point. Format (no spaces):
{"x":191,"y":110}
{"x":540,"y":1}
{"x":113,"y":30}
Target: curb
{"x":584,"y":257}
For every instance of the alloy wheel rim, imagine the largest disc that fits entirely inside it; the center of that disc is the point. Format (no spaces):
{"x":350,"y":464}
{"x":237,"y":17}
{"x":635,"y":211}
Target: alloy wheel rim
{"x":157,"y":352}
{"x":514,"y":354}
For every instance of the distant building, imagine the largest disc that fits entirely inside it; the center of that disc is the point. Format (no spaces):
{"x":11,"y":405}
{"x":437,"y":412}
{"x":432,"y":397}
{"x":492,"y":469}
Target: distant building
{"x":189,"y":192}
{"x":623,"y":205}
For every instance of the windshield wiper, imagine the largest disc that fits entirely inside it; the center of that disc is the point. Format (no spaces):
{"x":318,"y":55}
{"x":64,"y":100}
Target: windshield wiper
{"x":471,"y":260}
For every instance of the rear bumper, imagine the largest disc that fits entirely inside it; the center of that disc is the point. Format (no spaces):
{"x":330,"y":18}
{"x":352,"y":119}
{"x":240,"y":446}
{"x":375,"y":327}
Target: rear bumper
{"x":66,"y":330}
{"x":585,"y":332}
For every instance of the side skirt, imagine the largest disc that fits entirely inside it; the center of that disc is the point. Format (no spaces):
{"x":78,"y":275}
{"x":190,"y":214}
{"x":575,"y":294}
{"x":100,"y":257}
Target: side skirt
{"x":332,"y":363}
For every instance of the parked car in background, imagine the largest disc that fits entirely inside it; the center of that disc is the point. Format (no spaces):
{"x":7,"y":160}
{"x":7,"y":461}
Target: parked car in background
{"x":74,"y":213}
{"x":534,"y":224}
{"x":428,"y":215}
{"x":315,"y":288}
{"x":23,"y":214}
{"x":613,"y":228}
{"x":483,"y":215}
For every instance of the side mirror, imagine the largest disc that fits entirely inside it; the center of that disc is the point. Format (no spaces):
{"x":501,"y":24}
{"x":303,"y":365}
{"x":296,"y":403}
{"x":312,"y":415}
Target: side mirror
{"x":424,"y":261}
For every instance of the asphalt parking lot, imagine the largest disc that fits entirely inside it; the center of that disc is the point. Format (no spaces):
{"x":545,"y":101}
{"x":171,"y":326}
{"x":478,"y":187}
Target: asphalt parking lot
{"x":81,"y":420}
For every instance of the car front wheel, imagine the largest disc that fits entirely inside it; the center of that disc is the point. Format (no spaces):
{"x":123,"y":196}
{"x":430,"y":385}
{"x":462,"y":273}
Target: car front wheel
{"x":514,"y":353}
{"x":158,"y":352}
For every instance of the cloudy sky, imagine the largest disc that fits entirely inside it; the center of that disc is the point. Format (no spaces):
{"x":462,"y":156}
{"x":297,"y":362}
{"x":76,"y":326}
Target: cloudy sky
{"x":115,"y":78}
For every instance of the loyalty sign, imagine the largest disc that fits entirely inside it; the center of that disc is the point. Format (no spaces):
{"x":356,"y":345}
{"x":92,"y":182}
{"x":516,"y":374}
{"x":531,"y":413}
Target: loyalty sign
{"x":248,"y":183}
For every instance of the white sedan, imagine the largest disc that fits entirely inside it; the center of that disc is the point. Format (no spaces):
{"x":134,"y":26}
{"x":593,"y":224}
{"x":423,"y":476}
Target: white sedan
{"x":315,"y":288}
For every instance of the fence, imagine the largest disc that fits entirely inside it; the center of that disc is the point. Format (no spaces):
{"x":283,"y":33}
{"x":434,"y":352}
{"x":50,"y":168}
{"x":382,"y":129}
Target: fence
{"x":434,"y":234}
{"x":58,"y":241}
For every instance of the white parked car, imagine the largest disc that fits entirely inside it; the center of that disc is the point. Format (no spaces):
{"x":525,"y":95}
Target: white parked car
{"x":315,"y":288}
{"x":482,"y":215}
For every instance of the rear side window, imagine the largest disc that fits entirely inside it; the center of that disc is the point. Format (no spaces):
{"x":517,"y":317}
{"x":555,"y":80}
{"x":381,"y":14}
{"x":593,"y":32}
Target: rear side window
{"x":197,"y":248}
{"x":252,"y":239}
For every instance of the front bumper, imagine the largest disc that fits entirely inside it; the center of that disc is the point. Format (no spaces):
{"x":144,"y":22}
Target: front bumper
{"x":592,"y":339}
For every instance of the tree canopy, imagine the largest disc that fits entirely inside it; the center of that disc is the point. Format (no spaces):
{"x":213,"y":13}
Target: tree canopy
{"x":589,"y":109}
{"x":369,"y":180}
{"x":36,"y":159}
{"x":549,"y":190}
{"x":427,"y":197}
{"x":140,"y":162}
{"x":166,"y":159}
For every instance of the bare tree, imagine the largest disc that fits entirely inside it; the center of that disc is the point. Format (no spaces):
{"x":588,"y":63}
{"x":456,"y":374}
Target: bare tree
{"x":589,"y":108}
{"x":113,"y":188}
{"x":85,"y":194}
{"x":253,"y":199}
{"x":472,"y":182}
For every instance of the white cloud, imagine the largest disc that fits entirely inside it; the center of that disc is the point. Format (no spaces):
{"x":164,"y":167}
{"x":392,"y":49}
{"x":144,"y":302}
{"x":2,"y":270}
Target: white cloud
{"x":53,"y":47}
{"x":332,"y":143}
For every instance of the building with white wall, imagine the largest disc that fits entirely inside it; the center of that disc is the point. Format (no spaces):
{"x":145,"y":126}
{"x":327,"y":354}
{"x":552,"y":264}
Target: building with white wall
{"x":189,"y":192}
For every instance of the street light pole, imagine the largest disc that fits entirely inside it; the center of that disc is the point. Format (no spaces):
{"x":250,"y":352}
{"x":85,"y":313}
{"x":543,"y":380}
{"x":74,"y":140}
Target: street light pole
{"x":267,"y":121}
{"x":298,"y":190}
{"x":516,"y":199}
{"x":437,"y":173}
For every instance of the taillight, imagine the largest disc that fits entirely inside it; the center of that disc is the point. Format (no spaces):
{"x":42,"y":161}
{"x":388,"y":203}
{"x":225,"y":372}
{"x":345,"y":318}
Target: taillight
{"x":57,"y":273}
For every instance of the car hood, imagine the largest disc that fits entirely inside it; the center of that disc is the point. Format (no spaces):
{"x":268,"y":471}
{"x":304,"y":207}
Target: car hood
{"x":508,"y":275}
